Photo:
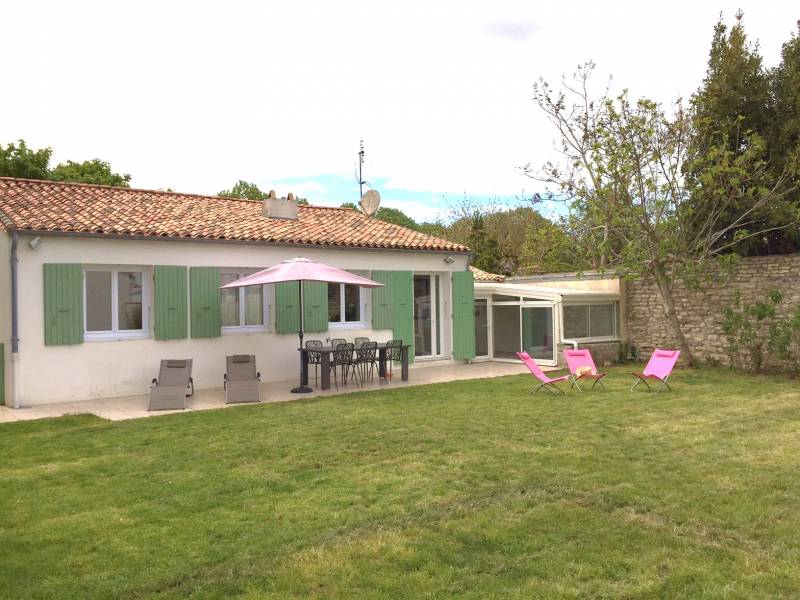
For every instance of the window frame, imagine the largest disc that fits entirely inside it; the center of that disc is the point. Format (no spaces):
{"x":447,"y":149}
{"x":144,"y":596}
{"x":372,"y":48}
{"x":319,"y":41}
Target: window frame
{"x":362,"y":310}
{"x":115,"y":333}
{"x":594,"y":338}
{"x":265,"y":306}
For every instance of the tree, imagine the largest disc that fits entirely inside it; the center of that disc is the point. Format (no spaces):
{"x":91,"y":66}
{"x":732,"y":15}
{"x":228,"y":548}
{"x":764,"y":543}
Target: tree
{"x":89,"y":171}
{"x":21,"y":161}
{"x":250,"y":191}
{"x":388,"y":215}
{"x":396,"y":216}
{"x":627,"y":161}
{"x":549,"y":248}
{"x":485,"y":248}
{"x":784,"y":140}
{"x":734,"y":109}
{"x":244,"y":190}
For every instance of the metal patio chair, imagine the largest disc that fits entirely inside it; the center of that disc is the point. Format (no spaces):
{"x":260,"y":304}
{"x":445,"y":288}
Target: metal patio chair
{"x":314,"y":358}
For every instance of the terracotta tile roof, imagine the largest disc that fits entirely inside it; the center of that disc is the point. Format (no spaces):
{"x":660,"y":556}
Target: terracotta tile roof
{"x":485,"y":276}
{"x":35,"y":205}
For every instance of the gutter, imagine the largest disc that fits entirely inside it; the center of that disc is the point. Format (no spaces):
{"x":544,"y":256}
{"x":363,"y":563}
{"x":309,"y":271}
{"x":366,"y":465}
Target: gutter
{"x":158,"y":238}
{"x":14,"y":322}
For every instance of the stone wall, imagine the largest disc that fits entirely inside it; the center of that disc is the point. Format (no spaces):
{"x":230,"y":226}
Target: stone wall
{"x":701,"y":312}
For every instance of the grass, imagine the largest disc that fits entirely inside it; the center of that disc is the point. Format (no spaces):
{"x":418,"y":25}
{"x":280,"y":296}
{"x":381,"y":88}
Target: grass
{"x":471,"y":489}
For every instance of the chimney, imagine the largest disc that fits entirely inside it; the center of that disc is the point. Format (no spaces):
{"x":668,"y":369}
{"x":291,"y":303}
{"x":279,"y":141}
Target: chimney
{"x":279,"y":208}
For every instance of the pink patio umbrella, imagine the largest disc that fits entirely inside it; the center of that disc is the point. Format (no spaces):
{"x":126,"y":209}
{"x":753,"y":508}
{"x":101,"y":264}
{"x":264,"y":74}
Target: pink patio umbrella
{"x":300,"y":270}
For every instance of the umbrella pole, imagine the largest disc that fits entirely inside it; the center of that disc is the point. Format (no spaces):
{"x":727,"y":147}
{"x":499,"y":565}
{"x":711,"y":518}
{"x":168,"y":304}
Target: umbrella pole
{"x":301,"y":389}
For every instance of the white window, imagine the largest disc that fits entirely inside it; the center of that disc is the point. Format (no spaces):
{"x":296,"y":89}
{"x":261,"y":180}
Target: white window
{"x":582,"y":321}
{"x":243,"y":309}
{"x":346,"y":306}
{"x":115,"y":304}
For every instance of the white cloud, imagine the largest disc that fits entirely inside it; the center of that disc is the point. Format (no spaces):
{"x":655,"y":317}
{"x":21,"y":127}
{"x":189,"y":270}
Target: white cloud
{"x":517,"y":31}
{"x":196,"y":95}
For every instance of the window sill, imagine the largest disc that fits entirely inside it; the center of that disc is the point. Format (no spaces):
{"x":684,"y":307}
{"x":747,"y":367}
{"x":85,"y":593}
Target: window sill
{"x":350,"y":325}
{"x":253,"y":329}
{"x":112,"y":336}
{"x":591,"y":340}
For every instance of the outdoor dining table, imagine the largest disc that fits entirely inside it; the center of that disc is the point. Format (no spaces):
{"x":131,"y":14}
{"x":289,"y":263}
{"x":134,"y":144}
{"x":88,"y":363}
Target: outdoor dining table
{"x":325,"y":363}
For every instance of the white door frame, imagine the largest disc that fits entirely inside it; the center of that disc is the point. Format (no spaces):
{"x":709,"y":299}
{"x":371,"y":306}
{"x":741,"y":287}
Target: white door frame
{"x":436,"y":350}
{"x":489,"y":347}
{"x":552,"y":304}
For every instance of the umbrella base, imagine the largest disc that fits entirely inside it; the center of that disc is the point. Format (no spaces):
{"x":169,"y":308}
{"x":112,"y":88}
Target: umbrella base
{"x":303,"y":389}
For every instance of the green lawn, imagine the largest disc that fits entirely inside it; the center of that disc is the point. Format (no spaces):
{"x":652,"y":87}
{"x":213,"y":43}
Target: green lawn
{"x":471,"y":489}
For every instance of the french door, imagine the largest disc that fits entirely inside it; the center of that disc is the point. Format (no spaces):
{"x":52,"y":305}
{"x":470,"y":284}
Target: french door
{"x":427,"y":300}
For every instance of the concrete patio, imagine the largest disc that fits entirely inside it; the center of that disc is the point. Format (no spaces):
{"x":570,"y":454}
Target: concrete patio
{"x":135,"y":407}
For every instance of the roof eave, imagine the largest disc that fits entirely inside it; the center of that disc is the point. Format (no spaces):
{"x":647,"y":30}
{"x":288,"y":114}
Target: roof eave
{"x":104,"y":236}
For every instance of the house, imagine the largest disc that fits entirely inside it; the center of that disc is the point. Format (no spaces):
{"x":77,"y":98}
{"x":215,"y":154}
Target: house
{"x":100,"y":283}
{"x":544,"y":314}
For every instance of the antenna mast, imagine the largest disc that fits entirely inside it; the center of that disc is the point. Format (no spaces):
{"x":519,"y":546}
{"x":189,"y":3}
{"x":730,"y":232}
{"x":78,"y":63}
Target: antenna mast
{"x":361,"y":181}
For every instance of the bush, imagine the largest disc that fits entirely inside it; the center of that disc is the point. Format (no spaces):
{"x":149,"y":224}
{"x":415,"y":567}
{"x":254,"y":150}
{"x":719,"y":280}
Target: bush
{"x":751,"y":330}
{"x":785,"y":340}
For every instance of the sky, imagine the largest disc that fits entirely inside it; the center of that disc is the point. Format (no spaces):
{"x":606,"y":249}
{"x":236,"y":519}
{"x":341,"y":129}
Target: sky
{"x":194,"y":96}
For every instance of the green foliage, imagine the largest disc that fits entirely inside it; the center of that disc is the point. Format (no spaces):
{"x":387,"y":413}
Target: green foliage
{"x":751,"y":330}
{"x":350,"y":205}
{"x":244,"y":190}
{"x":89,"y":171}
{"x":485,"y":247}
{"x":548,"y":248}
{"x":785,"y":340}
{"x":623,"y":176}
{"x":250,"y":191}
{"x":398,"y":217}
{"x":742,"y":109}
{"x":21,"y":161}
{"x":17,"y":160}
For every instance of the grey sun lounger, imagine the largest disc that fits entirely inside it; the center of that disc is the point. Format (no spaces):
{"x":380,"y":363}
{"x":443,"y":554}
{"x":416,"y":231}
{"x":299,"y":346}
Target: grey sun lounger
{"x":174,"y":383}
{"x":241,"y":379}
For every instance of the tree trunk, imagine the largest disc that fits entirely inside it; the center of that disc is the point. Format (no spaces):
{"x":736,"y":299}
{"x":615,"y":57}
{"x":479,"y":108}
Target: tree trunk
{"x":668,"y":304}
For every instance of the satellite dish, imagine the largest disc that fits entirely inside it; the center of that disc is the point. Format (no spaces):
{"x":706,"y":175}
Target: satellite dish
{"x":370,"y":202}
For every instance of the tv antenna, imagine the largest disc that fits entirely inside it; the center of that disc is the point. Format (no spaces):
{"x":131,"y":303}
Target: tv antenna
{"x":361,"y":181}
{"x":370,"y":200}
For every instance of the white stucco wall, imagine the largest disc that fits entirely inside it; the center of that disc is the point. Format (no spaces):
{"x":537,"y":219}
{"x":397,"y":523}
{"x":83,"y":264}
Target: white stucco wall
{"x":5,"y":309}
{"x":104,"y":369}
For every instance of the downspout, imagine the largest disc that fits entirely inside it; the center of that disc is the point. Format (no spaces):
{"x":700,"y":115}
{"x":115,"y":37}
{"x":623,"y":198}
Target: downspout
{"x":14,"y":323}
{"x":561,"y":324}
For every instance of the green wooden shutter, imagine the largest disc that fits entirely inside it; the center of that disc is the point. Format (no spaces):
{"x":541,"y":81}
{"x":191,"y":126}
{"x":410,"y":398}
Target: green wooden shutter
{"x":170,"y":302}
{"x":315,"y":306}
{"x":206,"y":316}
{"x":63,"y":304}
{"x":463,"y":315}
{"x":402,"y":306}
{"x":287,"y":309}
{"x":382,"y":301}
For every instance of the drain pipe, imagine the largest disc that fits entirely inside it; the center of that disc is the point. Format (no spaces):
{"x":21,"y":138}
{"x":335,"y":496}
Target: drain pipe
{"x":14,"y":323}
{"x":561,"y":324}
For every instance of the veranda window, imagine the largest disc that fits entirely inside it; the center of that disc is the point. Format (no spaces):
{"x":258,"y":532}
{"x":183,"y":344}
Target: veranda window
{"x":583,"y":321}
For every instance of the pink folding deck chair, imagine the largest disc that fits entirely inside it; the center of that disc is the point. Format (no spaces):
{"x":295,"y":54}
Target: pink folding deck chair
{"x":545,"y":382}
{"x":658,"y":369}
{"x":582,"y":368}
